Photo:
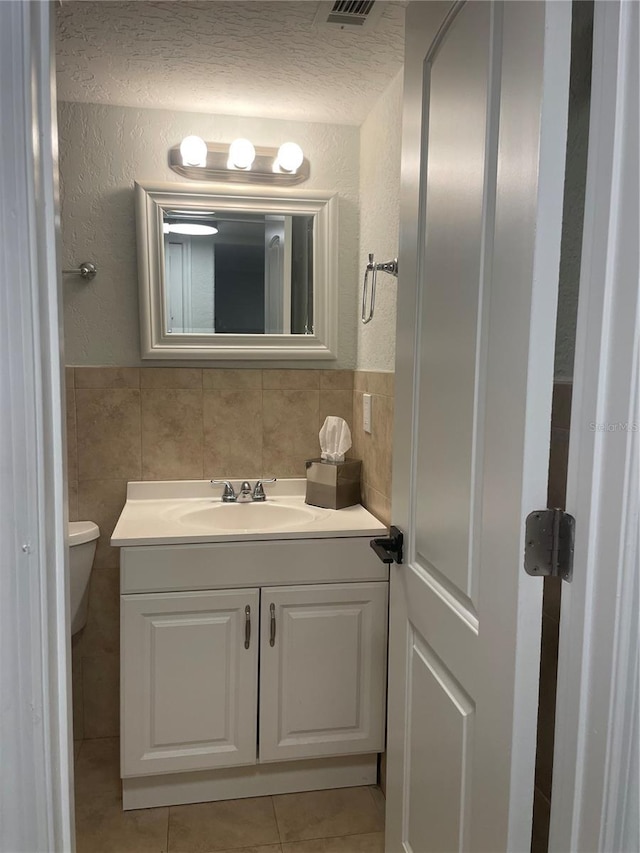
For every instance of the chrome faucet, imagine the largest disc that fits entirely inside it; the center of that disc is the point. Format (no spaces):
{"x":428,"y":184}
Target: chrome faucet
{"x":258,"y":491}
{"x":228,"y":493}
{"x":245,"y":494}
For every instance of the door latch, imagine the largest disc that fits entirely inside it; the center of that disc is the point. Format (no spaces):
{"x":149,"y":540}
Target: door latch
{"x":389,"y":549}
{"x":548,"y":551}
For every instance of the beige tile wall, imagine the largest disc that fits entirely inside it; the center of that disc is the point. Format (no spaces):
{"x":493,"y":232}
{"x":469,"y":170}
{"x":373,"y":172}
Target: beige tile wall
{"x":186,"y":423}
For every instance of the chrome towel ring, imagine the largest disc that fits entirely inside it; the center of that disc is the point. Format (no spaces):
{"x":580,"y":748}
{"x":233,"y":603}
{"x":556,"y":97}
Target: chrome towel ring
{"x":390,"y":267}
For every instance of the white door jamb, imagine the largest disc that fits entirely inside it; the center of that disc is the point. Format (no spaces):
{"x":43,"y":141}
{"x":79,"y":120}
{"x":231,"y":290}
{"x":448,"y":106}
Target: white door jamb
{"x":595,"y":798}
{"x":36,"y":797}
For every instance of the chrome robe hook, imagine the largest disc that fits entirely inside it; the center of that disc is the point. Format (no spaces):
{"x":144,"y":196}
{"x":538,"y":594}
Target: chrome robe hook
{"x":390,"y":267}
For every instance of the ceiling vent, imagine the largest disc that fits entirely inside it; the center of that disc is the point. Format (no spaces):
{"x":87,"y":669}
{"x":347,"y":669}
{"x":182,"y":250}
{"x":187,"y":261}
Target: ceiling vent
{"x":349,"y":14}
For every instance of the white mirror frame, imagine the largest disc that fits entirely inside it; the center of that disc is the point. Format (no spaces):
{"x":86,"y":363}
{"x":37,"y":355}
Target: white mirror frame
{"x":153,"y":198}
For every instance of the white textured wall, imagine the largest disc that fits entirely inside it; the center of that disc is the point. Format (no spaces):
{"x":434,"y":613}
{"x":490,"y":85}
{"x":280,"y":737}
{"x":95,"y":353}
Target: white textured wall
{"x":104,"y":149}
{"x":380,"y":148}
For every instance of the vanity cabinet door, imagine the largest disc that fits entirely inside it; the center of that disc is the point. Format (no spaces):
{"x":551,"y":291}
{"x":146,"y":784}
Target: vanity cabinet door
{"x":323,"y":670}
{"x":188,"y":680}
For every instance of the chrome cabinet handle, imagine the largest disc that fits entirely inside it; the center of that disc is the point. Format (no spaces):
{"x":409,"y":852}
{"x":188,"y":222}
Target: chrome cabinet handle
{"x":272,"y":629}
{"x":247,"y":627}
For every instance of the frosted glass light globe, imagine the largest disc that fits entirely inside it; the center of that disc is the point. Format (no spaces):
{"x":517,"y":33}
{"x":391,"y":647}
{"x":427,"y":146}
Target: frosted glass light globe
{"x":193,"y":150}
{"x":193,"y":229}
{"x":290,"y":156}
{"x":241,"y":153}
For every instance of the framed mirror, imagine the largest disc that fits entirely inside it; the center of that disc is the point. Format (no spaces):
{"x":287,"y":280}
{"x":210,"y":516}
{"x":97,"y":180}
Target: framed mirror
{"x":236,"y":273}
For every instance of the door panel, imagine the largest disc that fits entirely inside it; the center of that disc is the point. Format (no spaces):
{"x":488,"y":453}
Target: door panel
{"x":441,"y":579}
{"x":484,"y":133}
{"x":182,"y":700}
{"x":189,"y":684}
{"x":322,"y":682}
{"x":438,"y":801}
{"x":457,"y":86}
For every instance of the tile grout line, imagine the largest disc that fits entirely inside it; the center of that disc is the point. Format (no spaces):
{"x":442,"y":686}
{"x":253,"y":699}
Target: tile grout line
{"x":375,"y":802}
{"x":140,"y":416}
{"x":275,"y":817}
{"x":202,"y":426}
{"x":330,"y":837}
{"x":75,"y":427}
{"x":202,"y":370}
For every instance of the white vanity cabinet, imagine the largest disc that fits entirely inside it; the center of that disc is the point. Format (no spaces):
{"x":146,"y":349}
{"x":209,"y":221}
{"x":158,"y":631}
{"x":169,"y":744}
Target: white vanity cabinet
{"x":322,"y":670}
{"x":249,"y":667}
{"x":189,"y":678}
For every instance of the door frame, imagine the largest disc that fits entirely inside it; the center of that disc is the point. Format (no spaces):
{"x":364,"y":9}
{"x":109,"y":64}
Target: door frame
{"x":37,"y":395}
{"x":35,"y":726}
{"x":595,"y":794}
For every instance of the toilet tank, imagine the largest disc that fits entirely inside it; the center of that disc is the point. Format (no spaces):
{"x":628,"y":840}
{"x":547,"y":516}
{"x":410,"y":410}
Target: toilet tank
{"x":83,"y":536}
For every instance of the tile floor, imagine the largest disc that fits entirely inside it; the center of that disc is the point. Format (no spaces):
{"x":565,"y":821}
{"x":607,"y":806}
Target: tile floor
{"x":345,"y":820}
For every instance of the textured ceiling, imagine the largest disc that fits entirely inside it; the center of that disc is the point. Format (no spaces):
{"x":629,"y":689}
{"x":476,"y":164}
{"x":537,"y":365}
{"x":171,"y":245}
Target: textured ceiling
{"x":258,"y":58}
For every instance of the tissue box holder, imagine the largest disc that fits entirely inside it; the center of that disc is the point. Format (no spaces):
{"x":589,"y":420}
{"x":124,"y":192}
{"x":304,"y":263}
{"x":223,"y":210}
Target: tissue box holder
{"x":333,"y":485}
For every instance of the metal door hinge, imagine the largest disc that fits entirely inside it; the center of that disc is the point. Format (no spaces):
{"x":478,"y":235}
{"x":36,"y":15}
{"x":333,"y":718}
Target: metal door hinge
{"x":549,"y":544}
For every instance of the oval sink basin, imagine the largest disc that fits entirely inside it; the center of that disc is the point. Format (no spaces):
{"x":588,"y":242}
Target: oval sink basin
{"x":246,"y":517}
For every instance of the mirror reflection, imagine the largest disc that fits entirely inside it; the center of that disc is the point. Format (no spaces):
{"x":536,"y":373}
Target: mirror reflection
{"x":239,"y":273}
{"x":236,"y":272}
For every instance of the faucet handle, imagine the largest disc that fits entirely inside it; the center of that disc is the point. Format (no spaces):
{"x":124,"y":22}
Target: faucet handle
{"x":228,"y":493}
{"x":258,"y":491}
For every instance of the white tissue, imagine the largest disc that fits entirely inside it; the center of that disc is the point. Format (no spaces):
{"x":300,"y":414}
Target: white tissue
{"x":335,"y":439}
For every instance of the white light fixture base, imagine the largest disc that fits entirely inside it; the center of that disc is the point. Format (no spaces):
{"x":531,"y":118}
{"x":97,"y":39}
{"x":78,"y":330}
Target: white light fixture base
{"x":218,"y":169}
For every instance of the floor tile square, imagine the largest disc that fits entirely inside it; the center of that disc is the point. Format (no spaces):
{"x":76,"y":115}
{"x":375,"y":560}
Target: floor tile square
{"x":372,"y":842}
{"x":379,"y":799}
{"x":222,"y":826}
{"x":102,"y":827}
{"x":261,"y":848}
{"x":97,"y":769}
{"x":324,"y":814}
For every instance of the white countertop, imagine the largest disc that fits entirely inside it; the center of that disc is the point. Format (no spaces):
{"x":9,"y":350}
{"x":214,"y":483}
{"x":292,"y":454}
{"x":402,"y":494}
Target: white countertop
{"x":177,"y":513}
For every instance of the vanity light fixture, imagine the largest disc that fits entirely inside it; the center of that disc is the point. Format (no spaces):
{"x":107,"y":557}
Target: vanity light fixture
{"x":239,"y":162}
{"x":241,"y":154}
{"x":193,"y":150}
{"x":290,"y":158}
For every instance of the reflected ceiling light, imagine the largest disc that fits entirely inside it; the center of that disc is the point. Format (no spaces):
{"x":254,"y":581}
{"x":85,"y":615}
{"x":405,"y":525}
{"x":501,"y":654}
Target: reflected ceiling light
{"x":193,"y":150}
{"x":192,"y":229}
{"x":290,"y":157}
{"x":241,"y":154}
{"x":240,"y":162}
{"x":206,"y":214}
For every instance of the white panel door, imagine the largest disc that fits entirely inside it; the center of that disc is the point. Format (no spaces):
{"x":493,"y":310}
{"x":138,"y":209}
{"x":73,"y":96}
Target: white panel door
{"x":178,"y":275}
{"x":322,"y":670}
{"x":189,"y":678}
{"x":484,"y":134}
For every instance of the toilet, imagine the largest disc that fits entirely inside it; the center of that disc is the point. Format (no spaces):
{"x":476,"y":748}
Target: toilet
{"x":83,"y":537}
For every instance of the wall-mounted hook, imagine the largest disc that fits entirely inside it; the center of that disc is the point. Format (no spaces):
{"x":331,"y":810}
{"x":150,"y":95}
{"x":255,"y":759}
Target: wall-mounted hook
{"x":390,"y":267}
{"x":86,"y":270}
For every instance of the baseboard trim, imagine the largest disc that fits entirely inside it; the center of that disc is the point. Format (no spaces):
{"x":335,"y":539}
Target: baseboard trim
{"x":145,"y":792}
